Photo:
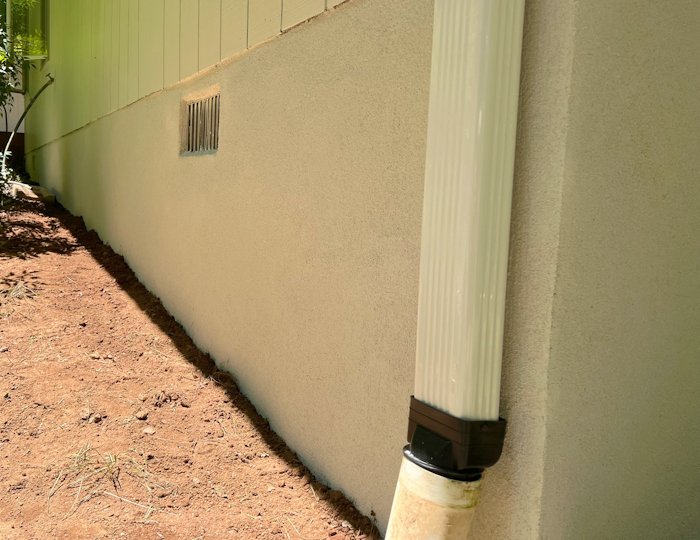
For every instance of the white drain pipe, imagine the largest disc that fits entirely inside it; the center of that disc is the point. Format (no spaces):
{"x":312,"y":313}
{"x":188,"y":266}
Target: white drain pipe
{"x":454,"y":428}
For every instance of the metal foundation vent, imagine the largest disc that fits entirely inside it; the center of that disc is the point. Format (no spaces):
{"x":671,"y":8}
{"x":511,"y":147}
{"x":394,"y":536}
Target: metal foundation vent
{"x":201,"y":125}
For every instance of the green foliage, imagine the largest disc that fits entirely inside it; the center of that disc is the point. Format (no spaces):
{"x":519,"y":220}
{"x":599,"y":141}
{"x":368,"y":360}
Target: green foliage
{"x":23,"y":4}
{"x":10,"y":69}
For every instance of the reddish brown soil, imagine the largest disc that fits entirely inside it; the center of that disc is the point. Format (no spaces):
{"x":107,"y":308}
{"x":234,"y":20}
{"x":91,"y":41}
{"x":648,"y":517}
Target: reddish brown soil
{"x":113,"y":424}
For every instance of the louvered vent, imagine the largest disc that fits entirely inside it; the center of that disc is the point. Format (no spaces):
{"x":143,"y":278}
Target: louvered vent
{"x":201,"y":125}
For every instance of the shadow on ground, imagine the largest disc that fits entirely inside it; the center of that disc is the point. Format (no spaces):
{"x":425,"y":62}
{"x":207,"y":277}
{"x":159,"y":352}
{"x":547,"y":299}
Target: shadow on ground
{"x":25,"y":240}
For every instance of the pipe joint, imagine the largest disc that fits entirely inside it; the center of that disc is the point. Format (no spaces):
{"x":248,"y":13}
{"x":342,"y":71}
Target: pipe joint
{"x":452,"y":447}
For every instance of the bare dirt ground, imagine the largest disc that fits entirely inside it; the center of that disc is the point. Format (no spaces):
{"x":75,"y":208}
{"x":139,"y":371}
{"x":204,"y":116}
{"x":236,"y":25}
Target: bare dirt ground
{"x":113,"y":424}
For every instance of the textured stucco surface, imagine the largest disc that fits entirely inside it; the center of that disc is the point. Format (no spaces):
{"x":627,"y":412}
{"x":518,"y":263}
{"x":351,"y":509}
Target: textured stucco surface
{"x":623,"y":435}
{"x":291,"y":255}
{"x":602,"y":344}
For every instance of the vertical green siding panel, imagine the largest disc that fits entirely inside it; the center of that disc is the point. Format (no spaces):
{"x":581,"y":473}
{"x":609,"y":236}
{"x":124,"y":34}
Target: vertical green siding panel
{"x":104,"y":51}
{"x":89,"y":78}
{"x":264,"y":20}
{"x":114,"y":59}
{"x":73,"y":62}
{"x":61,"y":70}
{"x":133,"y":66}
{"x":38,"y":112}
{"x":209,"y":32}
{"x":150,"y":46}
{"x":83,"y":66}
{"x":74,"y":28}
{"x":189,"y":37}
{"x":94,"y":14}
{"x":123,"y":53}
{"x":58,"y":52}
{"x":171,"y":41}
{"x":93,"y":35}
{"x":234,"y":27}
{"x":102,"y":65}
{"x":77,"y":63}
{"x":296,"y":11}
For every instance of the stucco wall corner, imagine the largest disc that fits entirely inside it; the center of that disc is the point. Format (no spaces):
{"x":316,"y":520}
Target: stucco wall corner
{"x":511,"y":504}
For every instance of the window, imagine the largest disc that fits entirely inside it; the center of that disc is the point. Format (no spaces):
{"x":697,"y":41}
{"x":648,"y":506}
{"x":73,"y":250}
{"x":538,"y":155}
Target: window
{"x":26,"y":22}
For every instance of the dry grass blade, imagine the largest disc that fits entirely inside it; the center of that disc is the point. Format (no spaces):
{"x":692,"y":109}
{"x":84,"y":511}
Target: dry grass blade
{"x":78,"y":460}
{"x":88,"y":471}
{"x":294,"y":526}
{"x":19,"y":291}
{"x":148,"y":508}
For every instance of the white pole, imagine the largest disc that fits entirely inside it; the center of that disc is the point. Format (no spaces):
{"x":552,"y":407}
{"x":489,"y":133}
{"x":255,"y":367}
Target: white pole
{"x":464,"y":250}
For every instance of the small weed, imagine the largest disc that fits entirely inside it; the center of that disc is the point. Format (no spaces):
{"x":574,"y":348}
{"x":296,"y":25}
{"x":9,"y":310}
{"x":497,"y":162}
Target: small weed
{"x":88,"y":474}
{"x":20,"y":290}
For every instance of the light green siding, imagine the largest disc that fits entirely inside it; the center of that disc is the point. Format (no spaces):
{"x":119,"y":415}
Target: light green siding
{"x":234,"y":19}
{"x":189,"y":37}
{"x":264,"y":20}
{"x":113,"y":61}
{"x":132,"y":71}
{"x":171,"y":39}
{"x":209,"y":32}
{"x":104,"y":43}
{"x":150,"y":47}
{"x":123,"y":53}
{"x":296,"y":11}
{"x":118,"y":51}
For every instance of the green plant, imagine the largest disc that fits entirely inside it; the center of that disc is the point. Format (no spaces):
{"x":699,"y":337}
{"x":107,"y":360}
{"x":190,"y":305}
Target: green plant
{"x":17,"y":45}
{"x":10,"y":75}
{"x":10,"y":68}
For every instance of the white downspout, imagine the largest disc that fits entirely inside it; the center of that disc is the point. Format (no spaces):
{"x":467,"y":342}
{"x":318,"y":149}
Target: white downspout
{"x":454,"y":428}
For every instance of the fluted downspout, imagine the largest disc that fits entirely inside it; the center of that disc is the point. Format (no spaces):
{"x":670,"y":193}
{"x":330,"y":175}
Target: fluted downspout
{"x":454,"y":426}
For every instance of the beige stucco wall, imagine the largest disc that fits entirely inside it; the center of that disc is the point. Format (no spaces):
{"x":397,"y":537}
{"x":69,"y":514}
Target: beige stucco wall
{"x":601,"y":367}
{"x":602,"y":344}
{"x":291,"y":254}
{"x":623,"y":421}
